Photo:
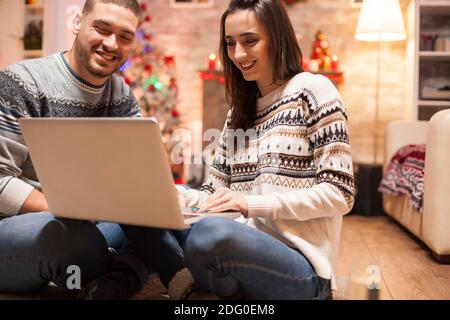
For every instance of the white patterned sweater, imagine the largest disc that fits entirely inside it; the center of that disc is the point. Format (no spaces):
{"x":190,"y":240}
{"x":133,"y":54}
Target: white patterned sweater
{"x":296,"y":170}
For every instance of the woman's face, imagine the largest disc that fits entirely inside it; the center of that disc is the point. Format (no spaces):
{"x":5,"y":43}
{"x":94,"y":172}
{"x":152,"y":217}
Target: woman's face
{"x":248,"y":46}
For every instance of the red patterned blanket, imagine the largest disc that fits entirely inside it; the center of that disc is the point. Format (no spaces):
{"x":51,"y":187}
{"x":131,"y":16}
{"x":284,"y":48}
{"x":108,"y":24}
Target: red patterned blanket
{"x":405,"y":175}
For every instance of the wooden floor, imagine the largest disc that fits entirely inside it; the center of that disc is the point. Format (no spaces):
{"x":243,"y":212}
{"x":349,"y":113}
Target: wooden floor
{"x":407,"y":269}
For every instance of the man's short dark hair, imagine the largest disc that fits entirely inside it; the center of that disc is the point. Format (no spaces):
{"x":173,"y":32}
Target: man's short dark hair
{"x":133,"y":5}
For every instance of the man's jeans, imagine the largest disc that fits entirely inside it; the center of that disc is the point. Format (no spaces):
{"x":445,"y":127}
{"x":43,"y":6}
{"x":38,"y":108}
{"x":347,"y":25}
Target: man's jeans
{"x":37,"y":248}
{"x":229,"y":258}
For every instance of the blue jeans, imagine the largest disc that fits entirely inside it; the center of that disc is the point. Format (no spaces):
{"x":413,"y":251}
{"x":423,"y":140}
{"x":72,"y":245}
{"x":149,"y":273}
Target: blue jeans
{"x":37,"y":248}
{"x":229,"y":258}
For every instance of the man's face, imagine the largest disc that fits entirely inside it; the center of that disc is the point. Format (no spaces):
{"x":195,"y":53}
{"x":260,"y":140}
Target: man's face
{"x":105,"y":39}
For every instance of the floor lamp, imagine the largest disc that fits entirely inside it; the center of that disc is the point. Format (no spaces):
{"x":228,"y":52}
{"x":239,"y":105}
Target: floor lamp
{"x":379,"y":21}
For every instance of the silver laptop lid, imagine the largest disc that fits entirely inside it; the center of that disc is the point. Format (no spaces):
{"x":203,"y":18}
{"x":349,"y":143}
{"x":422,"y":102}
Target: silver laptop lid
{"x":104,"y":169}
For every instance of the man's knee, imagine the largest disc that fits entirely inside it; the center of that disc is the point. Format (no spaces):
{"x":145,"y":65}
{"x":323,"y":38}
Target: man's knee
{"x":73,"y":242}
{"x":53,"y":245}
{"x":69,"y":242}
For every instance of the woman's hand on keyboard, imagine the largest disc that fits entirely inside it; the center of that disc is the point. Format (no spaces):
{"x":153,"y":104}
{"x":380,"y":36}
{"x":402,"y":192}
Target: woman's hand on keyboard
{"x":225,"y":200}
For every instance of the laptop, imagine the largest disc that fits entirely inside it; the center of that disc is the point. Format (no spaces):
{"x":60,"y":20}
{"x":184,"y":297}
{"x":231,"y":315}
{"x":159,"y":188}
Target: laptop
{"x":107,"y":169}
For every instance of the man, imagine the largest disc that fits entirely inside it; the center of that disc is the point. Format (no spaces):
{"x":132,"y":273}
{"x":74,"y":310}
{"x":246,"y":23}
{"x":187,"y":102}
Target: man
{"x":35,"y":247}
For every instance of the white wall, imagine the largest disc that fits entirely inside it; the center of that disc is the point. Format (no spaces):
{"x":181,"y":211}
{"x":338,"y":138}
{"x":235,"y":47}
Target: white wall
{"x":57,"y":33}
{"x":59,"y":18}
{"x":11,"y":31}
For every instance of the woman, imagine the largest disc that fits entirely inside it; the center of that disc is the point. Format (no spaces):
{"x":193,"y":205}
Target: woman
{"x":292,"y":177}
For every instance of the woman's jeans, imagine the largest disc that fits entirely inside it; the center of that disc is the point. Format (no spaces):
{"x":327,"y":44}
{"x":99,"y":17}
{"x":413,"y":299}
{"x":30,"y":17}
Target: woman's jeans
{"x":229,"y":258}
{"x":37,"y":248}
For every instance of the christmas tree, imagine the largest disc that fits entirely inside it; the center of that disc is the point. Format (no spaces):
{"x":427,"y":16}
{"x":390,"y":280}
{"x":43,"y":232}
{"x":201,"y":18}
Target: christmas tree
{"x":152,"y":76}
{"x":320,"y":52}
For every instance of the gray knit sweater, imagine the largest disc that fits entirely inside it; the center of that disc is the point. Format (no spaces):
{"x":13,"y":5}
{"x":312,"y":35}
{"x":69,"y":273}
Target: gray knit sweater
{"x":47,"y":87}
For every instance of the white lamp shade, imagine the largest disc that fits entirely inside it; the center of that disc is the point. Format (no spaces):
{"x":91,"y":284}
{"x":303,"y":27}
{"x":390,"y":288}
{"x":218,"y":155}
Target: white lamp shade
{"x":380,"y":20}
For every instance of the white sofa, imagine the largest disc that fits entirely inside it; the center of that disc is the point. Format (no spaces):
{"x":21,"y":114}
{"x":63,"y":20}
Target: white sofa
{"x":433,"y":225}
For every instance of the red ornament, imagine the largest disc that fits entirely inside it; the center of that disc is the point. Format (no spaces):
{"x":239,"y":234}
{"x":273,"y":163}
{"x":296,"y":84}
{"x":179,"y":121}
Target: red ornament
{"x":148,"y":68}
{"x":175,"y":113}
{"x":148,"y":19}
{"x":144,"y":6}
{"x":137,"y":59}
{"x":169,"y":60}
{"x":151,"y":88}
{"x":128,"y":81}
{"x":320,"y":51}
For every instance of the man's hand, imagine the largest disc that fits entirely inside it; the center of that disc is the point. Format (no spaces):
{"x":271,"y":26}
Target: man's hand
{"x":225,"y":200}
{"x":35,"y":202}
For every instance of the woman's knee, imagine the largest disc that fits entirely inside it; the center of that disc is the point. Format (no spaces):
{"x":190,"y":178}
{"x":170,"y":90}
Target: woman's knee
{"x":210,"y":236}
